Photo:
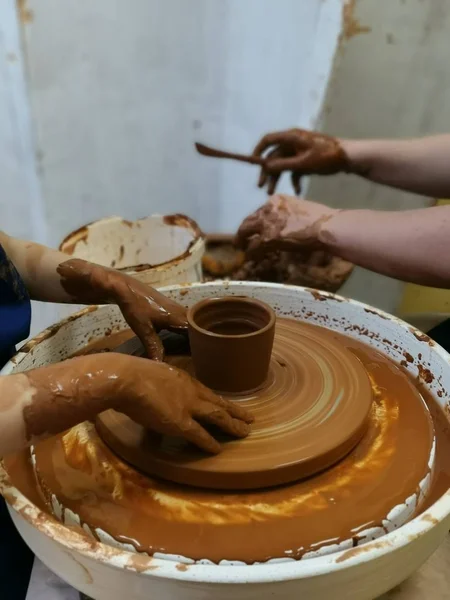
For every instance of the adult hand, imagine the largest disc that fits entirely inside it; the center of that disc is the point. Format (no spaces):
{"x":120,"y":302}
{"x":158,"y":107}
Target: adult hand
{"x":156,"y":395}
{"x":145,"y":309}
{"x":284,"y":222}
{"x":300,"y":151}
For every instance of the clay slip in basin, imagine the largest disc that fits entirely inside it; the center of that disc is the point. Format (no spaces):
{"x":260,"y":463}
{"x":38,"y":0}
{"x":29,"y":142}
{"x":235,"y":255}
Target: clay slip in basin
{"x":231,"y":342}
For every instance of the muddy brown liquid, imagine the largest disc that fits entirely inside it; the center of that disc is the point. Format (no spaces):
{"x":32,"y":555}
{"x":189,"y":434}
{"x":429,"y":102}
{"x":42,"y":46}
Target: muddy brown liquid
{"x":157,"y":516}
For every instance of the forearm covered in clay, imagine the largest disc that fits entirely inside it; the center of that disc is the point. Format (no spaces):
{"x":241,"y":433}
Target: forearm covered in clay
{"x":409,"y":245}
{"x":417,"y":165}
{"x":40,"y":403}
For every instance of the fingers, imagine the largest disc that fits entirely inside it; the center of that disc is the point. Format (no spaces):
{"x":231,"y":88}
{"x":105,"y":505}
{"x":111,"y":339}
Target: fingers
{"x":268,"y":140}
{"x":232,"y":408}
{"x":289,"y":163}
{"x":154,"y":347}
{"x":193,"y":432}
{"x":296,"y":182}
{"x":262,"y":178}
{"x":273,"y":178}
{"x":146,"y":333}
{"x":273,"y":182}
{"x":250,"y":227}
{"x":211,"y":413}
{"x":255,"y":247}
{"x":277,"y":137}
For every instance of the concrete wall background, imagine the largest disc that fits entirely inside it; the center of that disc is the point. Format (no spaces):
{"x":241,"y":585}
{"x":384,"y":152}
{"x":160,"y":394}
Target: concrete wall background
{"x":119,"y":92}
{"x":393,"y":81}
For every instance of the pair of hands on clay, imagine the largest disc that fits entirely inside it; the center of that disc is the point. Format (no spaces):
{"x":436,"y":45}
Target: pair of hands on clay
{"x":285,"y":223}
{"x":158,"y":396}
{"x":146,"y":310}
{"x":162,"y":398}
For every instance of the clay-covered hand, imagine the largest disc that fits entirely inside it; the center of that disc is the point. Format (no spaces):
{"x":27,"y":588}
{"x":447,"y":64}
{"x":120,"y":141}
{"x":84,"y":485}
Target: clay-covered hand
{"x":145,"y":310}
{"x":171,"y":402}
{"x":285,"y":223}
{"x":156,"y":395}
{"x":300,"y":151}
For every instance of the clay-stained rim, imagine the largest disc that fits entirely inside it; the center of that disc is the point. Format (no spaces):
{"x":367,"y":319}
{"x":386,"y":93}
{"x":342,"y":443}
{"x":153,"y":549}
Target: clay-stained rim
{"x":197,"y":242}
{"x":191,"y":314}
{"x":72,"y":540}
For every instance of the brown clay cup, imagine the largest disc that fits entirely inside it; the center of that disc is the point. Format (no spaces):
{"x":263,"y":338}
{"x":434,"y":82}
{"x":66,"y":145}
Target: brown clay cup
{"x":231,"y":343}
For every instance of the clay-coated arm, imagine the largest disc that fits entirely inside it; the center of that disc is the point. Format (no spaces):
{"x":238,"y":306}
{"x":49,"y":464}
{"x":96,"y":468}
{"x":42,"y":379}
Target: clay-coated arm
{"x":40,"y":403}
{"x":411,"y":245}
{"x":52,"y":276}
{"x":420,"y":165}
{"x":43,"y":402}
{"x":416,"y":165}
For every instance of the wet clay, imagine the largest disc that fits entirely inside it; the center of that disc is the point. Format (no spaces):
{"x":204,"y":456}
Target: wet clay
{"x":161,"y":397}
{"x":231,"y":342}
{"x":312,"y":410}
{"x":349,"y":501}
{"x":145,"y":309}
{"x":317,"y":269}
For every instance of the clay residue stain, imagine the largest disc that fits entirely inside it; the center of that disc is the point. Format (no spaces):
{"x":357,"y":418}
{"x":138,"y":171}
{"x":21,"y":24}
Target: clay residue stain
{"x":137,"y":268}
{"x":127,"y":223}
{"x":425,"y":374}
{"x":53,"y":330}
{"x":70,"y":241}
{"x":87,"y":575}
{"x":408,"y":357}
{"x":390,"y":38}
{"x":140,"y":563}
{"x":182,"y":567}
{"x":429,"y":519}
{"x":361,"y":550}
{"x":376,"y":313}
{"x":25,"y":14}
{"x":121,"y":252}
{"x":422,"y":337}
{"x":318,"y":296}
{"x":179,"y":220}
{"x":350,"y":23}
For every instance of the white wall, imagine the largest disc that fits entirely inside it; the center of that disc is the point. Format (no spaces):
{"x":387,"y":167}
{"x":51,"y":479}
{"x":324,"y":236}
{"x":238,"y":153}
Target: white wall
{"x":120,"y":91}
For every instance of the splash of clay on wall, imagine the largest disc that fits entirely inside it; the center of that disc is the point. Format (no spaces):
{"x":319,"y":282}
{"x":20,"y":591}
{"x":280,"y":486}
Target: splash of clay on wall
{"x":350,"y":24}
{"x":25,"y":14}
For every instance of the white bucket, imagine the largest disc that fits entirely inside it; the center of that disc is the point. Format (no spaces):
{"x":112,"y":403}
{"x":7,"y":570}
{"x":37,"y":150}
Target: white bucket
{"x":107,"y":573}
{"x":158,"y":250}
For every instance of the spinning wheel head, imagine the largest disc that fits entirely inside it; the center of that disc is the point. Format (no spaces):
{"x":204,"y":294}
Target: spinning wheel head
{"x":311,"y":409}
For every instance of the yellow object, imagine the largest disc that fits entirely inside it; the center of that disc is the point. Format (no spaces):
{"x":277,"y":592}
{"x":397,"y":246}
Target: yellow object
{"x":425,"y":307}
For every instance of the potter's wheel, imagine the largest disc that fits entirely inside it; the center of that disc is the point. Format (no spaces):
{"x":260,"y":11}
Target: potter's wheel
{"x":311,"y":412}
{"x":376,"y":488}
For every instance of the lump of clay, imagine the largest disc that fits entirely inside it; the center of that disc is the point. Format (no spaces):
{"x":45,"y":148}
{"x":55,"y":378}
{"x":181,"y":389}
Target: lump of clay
{"x":317,"y":269}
